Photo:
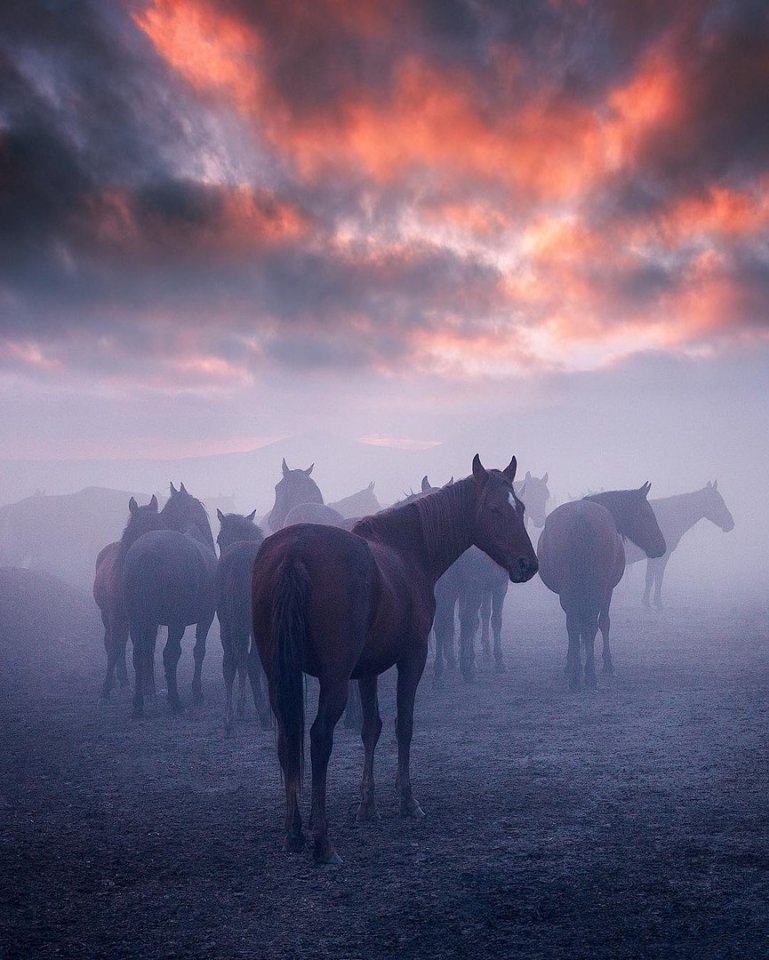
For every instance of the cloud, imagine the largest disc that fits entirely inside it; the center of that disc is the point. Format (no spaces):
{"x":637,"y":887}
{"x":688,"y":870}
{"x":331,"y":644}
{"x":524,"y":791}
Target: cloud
{"x":196,"y":194}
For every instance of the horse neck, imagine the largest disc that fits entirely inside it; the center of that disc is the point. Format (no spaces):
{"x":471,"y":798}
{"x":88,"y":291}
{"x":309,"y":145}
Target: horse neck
{"x":675,"y":515}
{"x":447,"y":524}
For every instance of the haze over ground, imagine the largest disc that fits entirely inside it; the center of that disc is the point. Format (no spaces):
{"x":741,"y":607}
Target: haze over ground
{"x":423,"y":229}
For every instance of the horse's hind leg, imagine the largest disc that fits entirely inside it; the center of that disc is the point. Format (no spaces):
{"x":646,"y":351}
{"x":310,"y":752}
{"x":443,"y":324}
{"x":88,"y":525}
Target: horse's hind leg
{"x":370,"y":731}
{"x":331,"y":702}
{"x":486,"y":606}
{"x":409,"y":673}
{"x":228,"y":672}
{"x":171,"y":653}
{"x":109,"y":646}
{"x":143,"y":639}
{"x":199,"y":653}
{"x":604,"y":624}
{"x":120,"y":635}
{"x":589,"y":630}
{"x":574,"y":654}
{"x":443,"y":627}
{"x":468,"y":627}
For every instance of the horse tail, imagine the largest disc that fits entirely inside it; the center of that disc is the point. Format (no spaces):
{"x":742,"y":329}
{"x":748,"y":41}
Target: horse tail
{"x":289,"y":631}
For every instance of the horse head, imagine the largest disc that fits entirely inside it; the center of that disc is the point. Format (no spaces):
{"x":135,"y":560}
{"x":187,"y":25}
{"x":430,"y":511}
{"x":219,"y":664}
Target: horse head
{"x":295,"y":487}
{"x":714,"y":508}
{"x":141,"y":519}
{"x":499,"y":528}
{"x":182,"y":510}
{"x":634,"y":518}
{"x":234,"y":527}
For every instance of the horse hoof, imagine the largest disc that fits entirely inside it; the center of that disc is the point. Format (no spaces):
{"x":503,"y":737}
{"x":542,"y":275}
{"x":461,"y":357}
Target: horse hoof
{"x":413,"y":811}
{"x":468,"y":676}
{"x":294,"y":844}
{"x":329,"y":860}
{"x":198,"y":699}
{"x":137,"y":714}
{"x":367,"y":814}
{"x":176,"y":707}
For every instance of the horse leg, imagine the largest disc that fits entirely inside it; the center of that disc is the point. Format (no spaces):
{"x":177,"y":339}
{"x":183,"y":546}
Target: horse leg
{"x":659,"y":573}
{"x":143,"y":639}
{"x":370,"y":731}
{"x":574,"y":654}
{"x":228,"y":672}
{"x":199,"y":653}
{"x":468,"y":627}
{"x":120,"y":640}
{"x":443,"y":628}
{"x":604,"y":624}
{"x":486,"y":608}
{"x":171,"y":653}
{"x":353,"y":712}
{"x":331,"y":703}
{"x":255,"y":677}
{"x":409,"y":673}
{"x":589,"y":630}
{"x":649,"y":582}
{"x":109,"y":647}
{"x":498,"y":595}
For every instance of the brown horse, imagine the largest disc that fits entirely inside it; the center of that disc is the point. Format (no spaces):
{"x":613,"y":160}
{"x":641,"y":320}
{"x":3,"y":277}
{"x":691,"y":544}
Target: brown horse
{"x":239,"y":542}
{"x":339,"y":605}
{"x":582,"y":559}
{"x":294,"y":487}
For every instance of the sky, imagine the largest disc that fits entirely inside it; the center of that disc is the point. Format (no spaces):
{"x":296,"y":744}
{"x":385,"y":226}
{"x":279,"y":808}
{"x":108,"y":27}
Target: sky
{"x":538,"y":227}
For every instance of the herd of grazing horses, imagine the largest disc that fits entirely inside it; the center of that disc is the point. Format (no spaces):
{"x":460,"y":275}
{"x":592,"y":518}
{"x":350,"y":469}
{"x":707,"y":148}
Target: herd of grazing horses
{"x":344,"y":592}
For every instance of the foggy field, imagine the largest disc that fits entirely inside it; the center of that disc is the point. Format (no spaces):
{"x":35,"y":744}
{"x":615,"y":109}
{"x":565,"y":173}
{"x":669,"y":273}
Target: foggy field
{"x":625,"y":823}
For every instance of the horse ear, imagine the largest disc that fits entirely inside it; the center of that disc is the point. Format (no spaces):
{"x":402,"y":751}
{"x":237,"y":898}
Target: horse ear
{"x":251,"y":516}
{"x":154,"y":503}
{"x":181,"y":488}
{"x":510,"y":469}
{"x":308,"y":471}
{"x":479,"y":471}
{"x":371,"y":485}
{"x":425,"y":484}
{"x":545,"y":478}
{"x":644,"y":490}
{"x":528,"y":476}
{"x":284,"y":467}
{"x":715,"y":484}
{"x":173,"y":489}
{"x":220,"y":515}
{"x":133,"y":507}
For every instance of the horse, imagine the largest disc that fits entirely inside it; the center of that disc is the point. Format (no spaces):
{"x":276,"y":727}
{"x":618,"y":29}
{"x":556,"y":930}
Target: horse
{"x":108,"y":594}
{"x":169,"y":578}
{"x":239,"y":541}
{"x":582,"y":559}
{"x":361,"y":504}
{"x":676,"y":516}
{"x":314,"y":513}
{"x":294,"y":487}
{"x":340,"y":605}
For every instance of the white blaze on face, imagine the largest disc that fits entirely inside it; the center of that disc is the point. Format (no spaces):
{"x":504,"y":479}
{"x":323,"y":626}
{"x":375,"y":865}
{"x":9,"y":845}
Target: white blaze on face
{"x":511,"y":500}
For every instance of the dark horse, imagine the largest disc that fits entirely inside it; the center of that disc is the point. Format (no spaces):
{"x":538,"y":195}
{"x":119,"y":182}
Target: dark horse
{"x":582,"y":559}
{"x":676,"y":516}
{"x":108,"y":594}
{"x":169,"y":579}
{"x":239,"y":542}
{"x":341,"y":605}
{"x":294,"y":487}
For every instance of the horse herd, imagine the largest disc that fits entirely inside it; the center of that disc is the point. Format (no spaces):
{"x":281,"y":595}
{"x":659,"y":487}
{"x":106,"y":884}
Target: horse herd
{"x":344,"y":599}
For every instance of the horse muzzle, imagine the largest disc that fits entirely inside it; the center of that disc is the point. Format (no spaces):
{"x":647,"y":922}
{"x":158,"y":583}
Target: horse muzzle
{"x":522,"y":569}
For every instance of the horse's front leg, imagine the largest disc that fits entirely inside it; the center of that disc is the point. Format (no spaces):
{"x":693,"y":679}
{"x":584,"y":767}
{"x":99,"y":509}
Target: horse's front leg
{"x":497,"y":603}
{"x":468,"y":627}
{"x":370,"y":731}
{"x":604,"y":624}
{"x":409,"y":673}
{"x":199,"y":653}
{"x":331,"y":703}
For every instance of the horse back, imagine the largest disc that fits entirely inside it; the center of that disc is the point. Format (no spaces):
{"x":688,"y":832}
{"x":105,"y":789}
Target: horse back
{"x":580,"y":550}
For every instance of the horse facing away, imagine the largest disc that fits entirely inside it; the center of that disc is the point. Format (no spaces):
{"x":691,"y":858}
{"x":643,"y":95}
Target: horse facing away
{"x":339,"y":605}
{"x":108,"y":594}
{"x":239,"y":542}
{"x":676,"y":516}
{"x":169,"y":579}
{"x":582,"y":559}
{"x":294,"y":487}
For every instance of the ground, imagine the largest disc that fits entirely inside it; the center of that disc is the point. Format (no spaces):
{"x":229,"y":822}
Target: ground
{"x":630,"y":822}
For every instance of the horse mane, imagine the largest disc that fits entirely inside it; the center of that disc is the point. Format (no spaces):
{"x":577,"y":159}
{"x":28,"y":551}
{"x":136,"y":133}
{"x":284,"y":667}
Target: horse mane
{"x":442,"y":521}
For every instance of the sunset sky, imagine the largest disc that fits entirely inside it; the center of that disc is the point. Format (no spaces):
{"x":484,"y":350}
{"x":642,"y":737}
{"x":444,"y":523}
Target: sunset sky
{"x":223,"y":222}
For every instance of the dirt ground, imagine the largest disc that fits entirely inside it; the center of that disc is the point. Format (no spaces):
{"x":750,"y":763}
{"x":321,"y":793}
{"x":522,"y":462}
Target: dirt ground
{"x":631,"y":822}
